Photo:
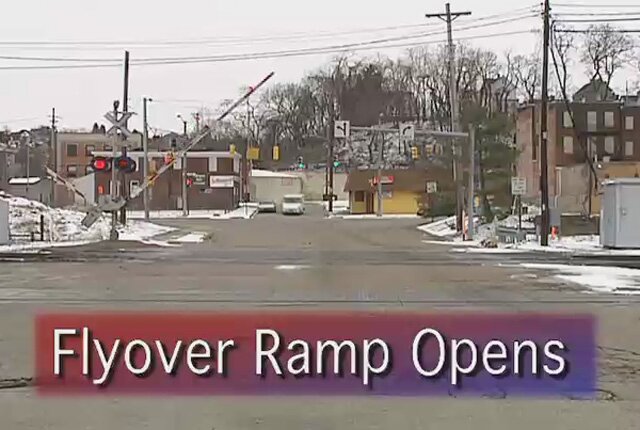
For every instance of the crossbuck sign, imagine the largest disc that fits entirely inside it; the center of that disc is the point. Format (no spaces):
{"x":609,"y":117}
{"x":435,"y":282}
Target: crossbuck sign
{"x":119,"y":124}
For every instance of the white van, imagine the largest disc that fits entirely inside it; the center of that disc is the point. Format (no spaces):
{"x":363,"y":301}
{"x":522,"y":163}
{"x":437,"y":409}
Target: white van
{"x":293,"y":204}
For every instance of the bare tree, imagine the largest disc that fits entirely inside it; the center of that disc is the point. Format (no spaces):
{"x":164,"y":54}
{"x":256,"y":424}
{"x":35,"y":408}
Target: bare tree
{"x":604,"y":51}
{"x":527,"y":74}
{"x":562,"y":47}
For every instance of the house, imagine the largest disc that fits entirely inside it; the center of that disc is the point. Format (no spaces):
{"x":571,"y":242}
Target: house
{"x":404,"y":191}
{"x":605,"y":131}
{"x":214,"y":177}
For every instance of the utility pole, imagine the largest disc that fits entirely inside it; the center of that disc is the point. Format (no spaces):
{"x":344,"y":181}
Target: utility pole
{"x":470,"y":191}
{"x":54,"y":150}
{"x":125,"y":109}
{"x":330,"y":162}
{"x":449,"y":17}
{"x":380,"y":149}
{"x":544,"y":176}
{"x":145,"y":149}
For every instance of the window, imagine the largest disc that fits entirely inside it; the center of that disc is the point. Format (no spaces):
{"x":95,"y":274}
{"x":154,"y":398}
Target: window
{"x":592,"y":121}
{"x":566,"y":120}
{"x":359,"y":196}
{"x":72,"y":150}
{"x":628,"y":148}
{"x":628,"y":123}
{"x":567,"y":144}
{"x":88,"y":150}
{"x":609,"y":144}
{"x":72,"y":170}
{"x":224,"y":165}
{"x":608,"y":119}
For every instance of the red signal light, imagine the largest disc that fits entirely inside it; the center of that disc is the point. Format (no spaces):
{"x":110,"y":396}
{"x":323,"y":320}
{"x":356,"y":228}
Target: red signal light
{"x":189,"y":182}
{"x":100,"y":164}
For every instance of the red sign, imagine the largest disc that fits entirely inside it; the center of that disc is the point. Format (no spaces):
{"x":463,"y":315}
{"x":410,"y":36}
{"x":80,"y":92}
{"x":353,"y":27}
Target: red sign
{"x":385,"y":180}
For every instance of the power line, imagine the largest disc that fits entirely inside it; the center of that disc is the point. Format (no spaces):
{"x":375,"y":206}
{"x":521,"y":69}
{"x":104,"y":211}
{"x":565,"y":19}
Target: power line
{"x":593,"y":6}
{"x":596,"y":13}
{"x":103,"y":62}
{"x":602,"y":20}
{"x":597,"y":31}
{"x":263,"y":56}
{"x":300,"y":36}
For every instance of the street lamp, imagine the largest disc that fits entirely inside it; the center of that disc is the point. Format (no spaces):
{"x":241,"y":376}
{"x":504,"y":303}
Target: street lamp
{"x":184,"y":124}
{"x":26,"y":137}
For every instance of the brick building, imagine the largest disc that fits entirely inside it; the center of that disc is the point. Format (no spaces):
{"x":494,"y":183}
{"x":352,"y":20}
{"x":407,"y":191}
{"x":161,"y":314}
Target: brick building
{"x":215,"y":174}
{"x":605,"y":131}
{"x":75,"y":150}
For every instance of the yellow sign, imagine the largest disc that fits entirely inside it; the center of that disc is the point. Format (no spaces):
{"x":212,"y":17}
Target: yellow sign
{"x":253,"y":153}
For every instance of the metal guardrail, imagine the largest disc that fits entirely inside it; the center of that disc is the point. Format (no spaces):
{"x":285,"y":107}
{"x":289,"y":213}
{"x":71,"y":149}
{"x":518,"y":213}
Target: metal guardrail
{"x":512,"y":235}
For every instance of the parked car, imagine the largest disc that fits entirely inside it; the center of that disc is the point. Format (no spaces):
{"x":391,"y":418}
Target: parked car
{"x":267,"y":207}
{"x":293,"y":204}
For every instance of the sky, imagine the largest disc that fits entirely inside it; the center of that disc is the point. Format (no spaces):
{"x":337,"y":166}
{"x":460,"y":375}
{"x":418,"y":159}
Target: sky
{"x":79,"y":32}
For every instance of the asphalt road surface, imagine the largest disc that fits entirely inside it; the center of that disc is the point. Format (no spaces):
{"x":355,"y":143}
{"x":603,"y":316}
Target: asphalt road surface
{"x":343,"y":264}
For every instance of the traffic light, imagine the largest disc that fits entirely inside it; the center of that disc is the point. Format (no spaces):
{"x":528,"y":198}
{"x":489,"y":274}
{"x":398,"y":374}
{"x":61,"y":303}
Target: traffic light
{"x":415,"y":154}
{"x":189,"y":182}
{"x":300,"y":162}
{"x":336,"y":163}
{"x":232,"y":149}
{"x":101,"y":164}
{"x":125,"y":164}
{"x":276,"y":153}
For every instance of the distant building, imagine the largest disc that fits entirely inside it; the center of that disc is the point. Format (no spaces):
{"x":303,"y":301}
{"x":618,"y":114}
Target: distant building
{"x":605,"y":131}
{"x":33,"y":188}
{"x":215,"y":175}
{"x":75,"y":151}
{"x":404,"y":191}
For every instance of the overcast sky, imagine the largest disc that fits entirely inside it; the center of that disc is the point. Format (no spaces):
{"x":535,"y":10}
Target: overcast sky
{"x":82,"y":96}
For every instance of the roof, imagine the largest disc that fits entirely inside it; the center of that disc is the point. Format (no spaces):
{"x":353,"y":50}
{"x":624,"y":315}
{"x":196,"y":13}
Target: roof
{"x":403,"y":179}
{"x":258,"y":173}
{"x":24,"y":181}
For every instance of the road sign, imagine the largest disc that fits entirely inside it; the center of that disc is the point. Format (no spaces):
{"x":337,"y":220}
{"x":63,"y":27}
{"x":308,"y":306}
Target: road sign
{"x":119,"y":124}
{"x":431,"y":187}
{"x":408,"y":132}
{"x":518,"y":186}
{"x":253,"y":153}
{"x":342,"y":129}
{"x":198,"y":179}
{"x":384,"y":180}
{"x":221,"y":181}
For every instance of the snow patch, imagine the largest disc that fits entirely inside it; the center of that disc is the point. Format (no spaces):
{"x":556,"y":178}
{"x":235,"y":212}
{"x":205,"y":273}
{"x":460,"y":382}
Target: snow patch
{"x":290,"y":267}
{"x":195,"y":237}
{"x":63,"y":227}
{"x":599,"y":279}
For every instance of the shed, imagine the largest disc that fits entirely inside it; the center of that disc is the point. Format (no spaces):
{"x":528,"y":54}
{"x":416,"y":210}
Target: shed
{"x":33,"y":188}
{"x":620,"y":214}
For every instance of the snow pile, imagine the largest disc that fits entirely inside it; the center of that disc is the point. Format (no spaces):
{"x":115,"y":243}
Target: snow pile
{"x":248,"y":211}
{"x":614,"y":280}
{"x":64,"y":225}
{"x":443,"y":228}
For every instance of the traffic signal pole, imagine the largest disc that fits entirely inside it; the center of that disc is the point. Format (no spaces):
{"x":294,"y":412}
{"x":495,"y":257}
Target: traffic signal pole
{"x":330,"y":161}
{"x":114,"y":189}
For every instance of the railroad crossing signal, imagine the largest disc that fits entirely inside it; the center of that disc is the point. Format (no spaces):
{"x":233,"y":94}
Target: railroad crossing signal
{"x":408,"y":132}
{"x":119,"y":124}
{"x":342,"y":129}
{"x":101,"y":164}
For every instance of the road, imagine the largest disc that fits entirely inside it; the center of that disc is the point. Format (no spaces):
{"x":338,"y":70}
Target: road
{"x":341,"y":264}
